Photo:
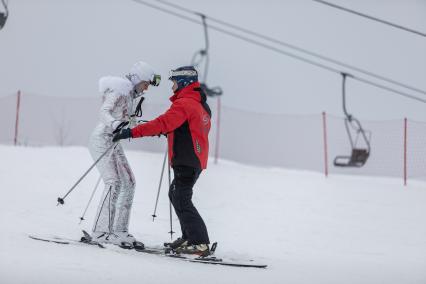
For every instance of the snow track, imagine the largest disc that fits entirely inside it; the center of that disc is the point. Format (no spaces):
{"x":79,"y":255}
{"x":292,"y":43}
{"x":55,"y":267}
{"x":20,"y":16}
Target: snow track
{"x":308,"y":229}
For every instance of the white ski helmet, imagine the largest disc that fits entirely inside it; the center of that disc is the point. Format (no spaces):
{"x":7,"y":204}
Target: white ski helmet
{"x":142,"y":71}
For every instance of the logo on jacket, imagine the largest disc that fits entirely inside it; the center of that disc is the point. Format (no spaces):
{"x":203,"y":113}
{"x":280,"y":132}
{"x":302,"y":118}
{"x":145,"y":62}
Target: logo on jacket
{"x":197,"y":145}
{"x":206,"y":119}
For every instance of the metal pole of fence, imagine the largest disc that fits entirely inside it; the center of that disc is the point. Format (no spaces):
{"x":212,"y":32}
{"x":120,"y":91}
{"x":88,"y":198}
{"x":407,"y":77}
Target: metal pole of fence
{"x":324,"y":128}
{"x":18,"y":104}
{"x":405,"y":151}
{"x":219,"y":106}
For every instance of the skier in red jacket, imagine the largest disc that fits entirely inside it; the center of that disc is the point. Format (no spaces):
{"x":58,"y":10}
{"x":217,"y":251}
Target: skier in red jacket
{"x":186,"y":124}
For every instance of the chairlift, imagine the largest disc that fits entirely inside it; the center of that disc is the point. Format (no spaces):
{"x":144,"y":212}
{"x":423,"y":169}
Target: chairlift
{"x":4,"y":15}
{"x":201,"y":56}
{"x":359,"y":155}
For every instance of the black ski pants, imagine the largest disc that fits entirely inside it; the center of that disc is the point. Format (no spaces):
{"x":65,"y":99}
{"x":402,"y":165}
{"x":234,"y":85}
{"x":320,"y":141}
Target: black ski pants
{"x":180,"y":193}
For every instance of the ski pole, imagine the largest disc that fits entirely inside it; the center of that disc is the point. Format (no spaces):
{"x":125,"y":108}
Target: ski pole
{"x":93,"y":193}
{"x":90,"y":200}
{"x":61,"y":199}
{"x":170,"y":206}
{"x":159,"y":186}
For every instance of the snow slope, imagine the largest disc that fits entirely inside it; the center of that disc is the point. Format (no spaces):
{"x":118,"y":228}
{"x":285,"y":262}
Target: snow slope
{"x":307,"y":228}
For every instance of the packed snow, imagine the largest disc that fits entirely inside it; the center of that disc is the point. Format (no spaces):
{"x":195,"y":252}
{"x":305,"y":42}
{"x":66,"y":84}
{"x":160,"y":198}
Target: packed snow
{"x":307,"y":228}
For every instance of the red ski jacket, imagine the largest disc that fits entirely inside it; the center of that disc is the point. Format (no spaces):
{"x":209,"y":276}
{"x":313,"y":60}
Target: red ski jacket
{"x":187,"y":125}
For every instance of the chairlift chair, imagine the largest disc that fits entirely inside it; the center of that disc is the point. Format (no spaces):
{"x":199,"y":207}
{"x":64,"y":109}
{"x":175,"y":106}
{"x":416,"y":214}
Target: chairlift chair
{"x":359,"y":155}
{"x":3,"y":15}
{"x":211,"y":92}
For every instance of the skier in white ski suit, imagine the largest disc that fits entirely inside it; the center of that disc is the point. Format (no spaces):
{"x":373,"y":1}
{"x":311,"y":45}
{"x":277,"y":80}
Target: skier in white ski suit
{"x":112,"y":217}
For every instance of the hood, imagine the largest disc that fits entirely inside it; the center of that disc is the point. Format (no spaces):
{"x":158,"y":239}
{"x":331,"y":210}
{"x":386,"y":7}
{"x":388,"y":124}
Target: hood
{"x":115,"y":84}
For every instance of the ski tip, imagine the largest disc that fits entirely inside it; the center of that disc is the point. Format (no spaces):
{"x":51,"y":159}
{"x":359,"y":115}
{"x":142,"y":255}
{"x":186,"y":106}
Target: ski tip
{"x":57,"y":241}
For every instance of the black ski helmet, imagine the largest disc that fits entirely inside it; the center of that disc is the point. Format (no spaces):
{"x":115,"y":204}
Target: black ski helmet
{"x":184,"y":76}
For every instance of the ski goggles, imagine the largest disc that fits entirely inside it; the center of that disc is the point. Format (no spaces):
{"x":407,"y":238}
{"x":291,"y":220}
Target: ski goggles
{"x":182,"y":73}
{"x":155,"y":80}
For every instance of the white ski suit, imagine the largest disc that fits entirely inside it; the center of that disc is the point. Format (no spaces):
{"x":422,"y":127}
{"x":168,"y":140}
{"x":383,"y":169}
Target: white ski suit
{"x":114,"y":209}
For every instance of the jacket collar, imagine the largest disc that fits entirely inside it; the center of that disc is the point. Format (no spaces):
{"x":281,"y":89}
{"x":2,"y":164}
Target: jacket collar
{"x":188,"y":92}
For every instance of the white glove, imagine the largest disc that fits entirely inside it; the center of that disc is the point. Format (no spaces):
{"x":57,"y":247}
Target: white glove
{"x":132,"y":122}
{"x":115,"y":124}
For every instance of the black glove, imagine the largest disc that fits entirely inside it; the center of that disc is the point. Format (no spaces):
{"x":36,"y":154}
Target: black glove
{"x":123,"y":134}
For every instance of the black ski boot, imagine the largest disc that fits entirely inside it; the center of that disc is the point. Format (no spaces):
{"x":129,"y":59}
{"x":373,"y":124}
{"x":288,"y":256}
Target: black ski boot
{"x":177,"y":243}
{"x":201,"y":250}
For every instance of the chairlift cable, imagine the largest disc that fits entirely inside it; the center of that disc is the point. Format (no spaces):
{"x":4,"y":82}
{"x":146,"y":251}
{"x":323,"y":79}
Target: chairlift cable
{"x":371,"y":18}
{"x":280,"y":51}
{"x":291,"y":46}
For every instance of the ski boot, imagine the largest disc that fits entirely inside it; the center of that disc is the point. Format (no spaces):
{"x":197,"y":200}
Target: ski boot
{"x":201,"y":250}
{"x":177,"y":243}
{"x":121,"y":239}
{"x":125,"y":239}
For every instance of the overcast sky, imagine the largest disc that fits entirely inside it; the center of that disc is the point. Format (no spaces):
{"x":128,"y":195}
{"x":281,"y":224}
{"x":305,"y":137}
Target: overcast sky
{"x":62,"y":48}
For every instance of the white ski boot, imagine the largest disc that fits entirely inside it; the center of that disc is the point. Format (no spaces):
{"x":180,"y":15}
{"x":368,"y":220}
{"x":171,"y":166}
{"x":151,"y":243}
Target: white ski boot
{"x":121,"y":239}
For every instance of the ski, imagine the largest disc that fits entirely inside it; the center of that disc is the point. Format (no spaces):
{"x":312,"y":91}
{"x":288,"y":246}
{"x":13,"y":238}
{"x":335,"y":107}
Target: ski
{"x":228,"y":263}
{"x":164,"y":252}
{"x":64,"y":241}
{"x":210,"y":260}
{"x":49,"y":240}
{"x":87,"y":238}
